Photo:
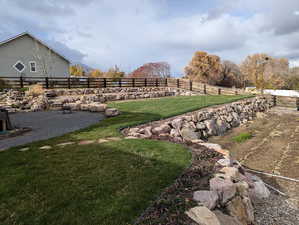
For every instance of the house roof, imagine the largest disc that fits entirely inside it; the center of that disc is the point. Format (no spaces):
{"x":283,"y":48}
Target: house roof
{"x":34,"y":38}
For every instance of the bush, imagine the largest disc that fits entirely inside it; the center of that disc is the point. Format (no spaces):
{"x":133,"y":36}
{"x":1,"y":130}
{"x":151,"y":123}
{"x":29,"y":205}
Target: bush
{"x":3,"y":84}
{"x":35,"y":90}
{"x":24,"y":89}
{"x":242,"y":137}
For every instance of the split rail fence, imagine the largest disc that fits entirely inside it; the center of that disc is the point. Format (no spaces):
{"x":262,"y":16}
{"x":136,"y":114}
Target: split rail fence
{"x":71,"y":82}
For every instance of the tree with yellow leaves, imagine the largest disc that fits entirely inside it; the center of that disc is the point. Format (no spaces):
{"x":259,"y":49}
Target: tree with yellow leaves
{"x":76,"y":70}
{"x":264,"y":71}
{"x":96,"y":73}
{"x":204,"y":68}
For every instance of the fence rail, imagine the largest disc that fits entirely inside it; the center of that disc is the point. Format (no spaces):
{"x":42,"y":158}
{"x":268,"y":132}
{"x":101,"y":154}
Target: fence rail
{"x":71,"y":82}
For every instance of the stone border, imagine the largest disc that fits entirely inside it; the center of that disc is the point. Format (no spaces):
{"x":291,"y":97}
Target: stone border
{"x":203,"y":123}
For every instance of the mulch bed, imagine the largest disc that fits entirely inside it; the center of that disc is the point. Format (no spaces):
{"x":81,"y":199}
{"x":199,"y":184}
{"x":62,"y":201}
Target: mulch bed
{"x":171,"y":205}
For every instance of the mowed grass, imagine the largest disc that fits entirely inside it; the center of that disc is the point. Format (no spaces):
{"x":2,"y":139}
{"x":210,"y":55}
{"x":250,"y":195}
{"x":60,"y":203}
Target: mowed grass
{"x":109,"y":183}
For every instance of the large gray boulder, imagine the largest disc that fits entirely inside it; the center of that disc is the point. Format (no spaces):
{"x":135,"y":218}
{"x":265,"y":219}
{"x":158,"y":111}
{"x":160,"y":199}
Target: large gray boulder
{"x":208,"y":198}
{"x":225,"y":188}
{"x":189,"y":134}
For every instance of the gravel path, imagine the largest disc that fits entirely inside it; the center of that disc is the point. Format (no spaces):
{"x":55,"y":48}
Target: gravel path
{"x":47,"y":125}
{"x":276,"y":211}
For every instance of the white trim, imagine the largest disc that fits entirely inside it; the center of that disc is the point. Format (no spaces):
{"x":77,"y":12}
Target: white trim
{"x":14,"y":66}
{"x":31,"y":67}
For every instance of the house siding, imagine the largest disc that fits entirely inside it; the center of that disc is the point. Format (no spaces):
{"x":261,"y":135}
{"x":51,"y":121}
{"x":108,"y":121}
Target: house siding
{"x":27,"y":49}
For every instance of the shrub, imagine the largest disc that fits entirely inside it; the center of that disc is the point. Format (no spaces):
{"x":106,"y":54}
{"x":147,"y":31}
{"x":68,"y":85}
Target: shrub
{"x":3,"y":84}
{"x":24,"y":89}
{"x":242,"y":137}
{"x":35,"y":90}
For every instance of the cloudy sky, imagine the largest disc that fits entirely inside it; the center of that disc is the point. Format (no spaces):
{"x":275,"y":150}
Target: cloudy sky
{"x":129,"y":33}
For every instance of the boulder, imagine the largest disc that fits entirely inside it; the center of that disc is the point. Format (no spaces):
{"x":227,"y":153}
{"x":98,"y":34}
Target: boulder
{"x":162,"y":129}
{"x":241,"y":209}
{"x":211,"y":127}
{"x":231,"y":172}
{"x":188,"y":134}
{"x":203,"y":216}
{"x":110,"y":112}
{"x":208,"y":198}
{"x":225,"y":219}
{"x":84,"y":107}
{"x":222,"y":127}
{"x":259,"y":190}
{"x":224,"y":162}
{"x":201,"y":126}
{"x":225,"y":188}
{"x":97,"y":107}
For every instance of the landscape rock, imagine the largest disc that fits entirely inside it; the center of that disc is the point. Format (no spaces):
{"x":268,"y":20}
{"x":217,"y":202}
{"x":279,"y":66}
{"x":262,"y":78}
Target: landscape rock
{"x":224,"y":162}
{"x":203,"y":216}
{"x":188,"y":134}
{"x":208,"y":198}
{"x":241,"y":209}
{"x":259,"y":190}
{"x":225,"y":188}
{"x":231,"y":172}
{"x":162,"y":129}
{"x":97,"y":107}
{"x":226,"y":219}
{"x":111,"y":112}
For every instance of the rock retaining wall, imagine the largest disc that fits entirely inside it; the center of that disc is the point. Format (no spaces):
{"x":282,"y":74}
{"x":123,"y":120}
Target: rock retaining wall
{"x":117,"y":90}
{"x":204,"y":123}
{"x":57,"y":98}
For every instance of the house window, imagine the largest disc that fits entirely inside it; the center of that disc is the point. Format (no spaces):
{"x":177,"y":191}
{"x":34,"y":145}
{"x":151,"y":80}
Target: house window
{"x":19,"y":66}
{"x":32,"y":65}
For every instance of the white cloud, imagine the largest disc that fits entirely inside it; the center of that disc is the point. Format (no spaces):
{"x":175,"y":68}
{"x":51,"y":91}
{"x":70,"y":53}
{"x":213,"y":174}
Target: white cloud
{"x":130,"y":33}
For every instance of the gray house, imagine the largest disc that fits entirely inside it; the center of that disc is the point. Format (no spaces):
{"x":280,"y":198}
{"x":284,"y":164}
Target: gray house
{"x":24,"y":55}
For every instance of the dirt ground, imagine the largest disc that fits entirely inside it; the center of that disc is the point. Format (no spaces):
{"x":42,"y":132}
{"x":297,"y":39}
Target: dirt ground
{"x":274,"y":148}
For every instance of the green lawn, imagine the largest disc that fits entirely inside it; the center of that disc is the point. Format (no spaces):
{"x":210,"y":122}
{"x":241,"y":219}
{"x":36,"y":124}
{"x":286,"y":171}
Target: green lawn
{"x":109,"y":183}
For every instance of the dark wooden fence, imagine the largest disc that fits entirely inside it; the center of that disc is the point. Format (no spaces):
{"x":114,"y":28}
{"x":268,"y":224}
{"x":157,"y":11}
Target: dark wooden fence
{"x":72,"y":82}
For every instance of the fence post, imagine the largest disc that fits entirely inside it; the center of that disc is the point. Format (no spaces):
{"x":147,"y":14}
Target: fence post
{"x":219,"y":91}
{"x":133,"y":82}
{"x":69,"y":83}
{"x":145,"y":82}
{"x":166,"y":82}
{"x":274,"y":100}
{"x":105,"y":83}
{"x":178,"y":83}
{"x":21,"y":82}
{"x":190,"y":84}
{"x":157,"y":83}
{"x":88,"y":82}
{"x":47,"y":82}
{"x":236,"y":92}
{"x":205,"y":89}
{"x":297,"y":103}
{"x":119,"y":82}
